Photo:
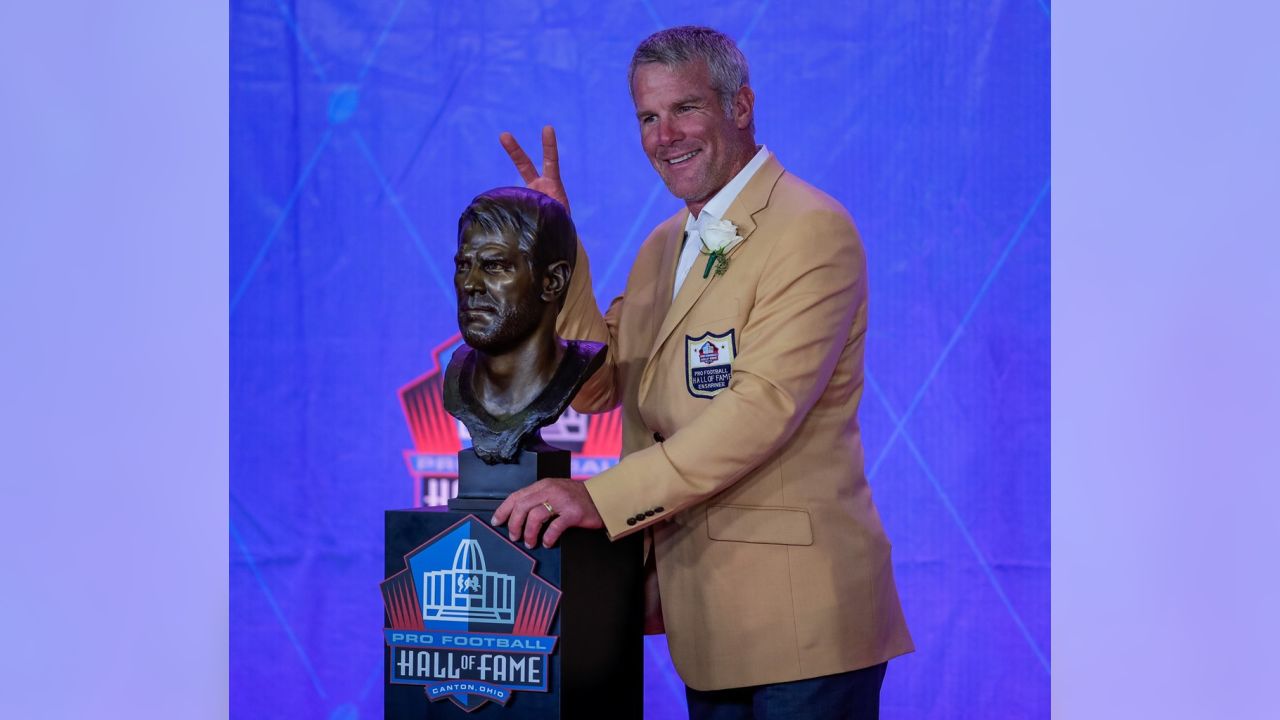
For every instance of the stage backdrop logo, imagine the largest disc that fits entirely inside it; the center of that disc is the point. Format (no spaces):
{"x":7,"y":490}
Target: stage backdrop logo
{"x":595,"y":440}
{"x":469,"y":619}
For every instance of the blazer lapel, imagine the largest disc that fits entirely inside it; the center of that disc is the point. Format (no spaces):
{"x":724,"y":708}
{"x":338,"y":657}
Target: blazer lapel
{"x":667,"y":274}
{"x":753,"y":198}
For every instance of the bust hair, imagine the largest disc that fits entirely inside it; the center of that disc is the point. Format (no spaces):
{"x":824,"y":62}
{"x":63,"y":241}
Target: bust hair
{"x":676,"y":46}
{"x":542,"y":226}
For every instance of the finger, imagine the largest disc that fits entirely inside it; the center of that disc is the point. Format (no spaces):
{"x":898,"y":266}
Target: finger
{"x":533,"y":524}
{"x":555,"y":530}
{"x":500,"y":515}
{"x":523,"y":164}
{"x":550,"y":154}
{"x":515,"y":523}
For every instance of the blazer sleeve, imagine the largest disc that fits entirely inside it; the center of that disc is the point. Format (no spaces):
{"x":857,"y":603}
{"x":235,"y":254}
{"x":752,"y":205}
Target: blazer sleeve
{"x":580,"y":319}
{"x":809,"y":304}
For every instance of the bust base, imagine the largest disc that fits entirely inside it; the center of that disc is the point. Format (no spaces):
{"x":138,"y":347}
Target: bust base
{"x":484,"y":487}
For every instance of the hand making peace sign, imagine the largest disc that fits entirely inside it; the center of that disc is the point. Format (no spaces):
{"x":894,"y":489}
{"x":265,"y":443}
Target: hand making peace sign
{"x":548,"y":182}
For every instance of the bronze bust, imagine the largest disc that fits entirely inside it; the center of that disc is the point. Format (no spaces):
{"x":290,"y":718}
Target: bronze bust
{"x":515,"y":257}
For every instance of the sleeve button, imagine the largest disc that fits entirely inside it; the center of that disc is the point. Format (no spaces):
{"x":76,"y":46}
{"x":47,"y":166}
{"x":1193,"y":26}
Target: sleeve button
{"x":657,"y":437}
{"x":631,"y":521}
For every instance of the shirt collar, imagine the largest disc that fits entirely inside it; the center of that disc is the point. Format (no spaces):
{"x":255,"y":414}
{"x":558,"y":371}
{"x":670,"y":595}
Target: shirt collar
{"x":719,"y":203}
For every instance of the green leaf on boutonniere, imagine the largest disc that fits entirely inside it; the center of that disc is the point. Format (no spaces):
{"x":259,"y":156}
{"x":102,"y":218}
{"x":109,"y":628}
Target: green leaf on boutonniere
{"x":718,"y":260}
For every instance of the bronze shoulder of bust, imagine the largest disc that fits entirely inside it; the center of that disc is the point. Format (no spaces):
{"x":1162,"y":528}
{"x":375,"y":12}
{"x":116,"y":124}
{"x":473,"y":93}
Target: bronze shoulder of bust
{"x":502,"y":439}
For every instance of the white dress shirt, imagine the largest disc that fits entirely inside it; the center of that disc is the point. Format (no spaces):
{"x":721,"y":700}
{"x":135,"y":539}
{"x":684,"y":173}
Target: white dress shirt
{"x":711,"y":213}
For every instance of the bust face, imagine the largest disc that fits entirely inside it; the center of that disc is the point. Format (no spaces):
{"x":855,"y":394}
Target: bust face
{"x":499,"y":301}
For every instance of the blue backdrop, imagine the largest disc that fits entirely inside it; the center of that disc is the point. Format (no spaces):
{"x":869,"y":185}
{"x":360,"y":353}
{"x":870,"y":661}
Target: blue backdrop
{"x":361,"y":129}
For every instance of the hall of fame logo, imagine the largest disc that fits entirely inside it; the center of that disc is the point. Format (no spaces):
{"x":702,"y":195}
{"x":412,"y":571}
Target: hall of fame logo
{"x":468,"y":618}
{"x":709,"y":363}
{"x":595,"y":440}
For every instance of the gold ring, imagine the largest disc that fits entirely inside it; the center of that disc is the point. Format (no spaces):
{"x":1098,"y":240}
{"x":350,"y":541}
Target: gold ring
{"x":547,"y":505}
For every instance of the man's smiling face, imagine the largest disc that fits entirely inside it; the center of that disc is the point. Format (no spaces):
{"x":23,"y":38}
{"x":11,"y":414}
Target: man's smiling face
{"x":687,"y":137}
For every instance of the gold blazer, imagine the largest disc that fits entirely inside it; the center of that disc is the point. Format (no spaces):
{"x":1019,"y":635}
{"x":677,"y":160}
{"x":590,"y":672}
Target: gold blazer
{"x":741,"y":448}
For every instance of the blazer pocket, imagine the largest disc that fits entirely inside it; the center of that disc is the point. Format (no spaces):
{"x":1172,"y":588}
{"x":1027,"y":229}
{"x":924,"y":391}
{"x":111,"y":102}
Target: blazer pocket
{"x":753,"y":524}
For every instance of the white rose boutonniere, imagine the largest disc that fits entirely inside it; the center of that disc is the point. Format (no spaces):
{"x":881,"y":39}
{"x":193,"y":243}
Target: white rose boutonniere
{"x":717,"y":239}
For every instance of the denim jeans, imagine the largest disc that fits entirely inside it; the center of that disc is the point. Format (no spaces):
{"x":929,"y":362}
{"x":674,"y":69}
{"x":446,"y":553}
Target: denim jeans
{"x":853,"y":695}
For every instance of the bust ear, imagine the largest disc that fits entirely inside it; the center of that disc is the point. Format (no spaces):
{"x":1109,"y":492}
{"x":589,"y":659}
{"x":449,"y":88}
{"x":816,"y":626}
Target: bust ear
{"x":555,"y":281}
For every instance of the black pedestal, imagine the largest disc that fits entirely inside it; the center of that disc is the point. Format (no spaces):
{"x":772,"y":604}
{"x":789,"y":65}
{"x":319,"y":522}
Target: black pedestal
{"x":483,"y":487}
{"x":596,"y":667}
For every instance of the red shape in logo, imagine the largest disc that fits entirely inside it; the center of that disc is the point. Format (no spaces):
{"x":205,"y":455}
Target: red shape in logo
{"x":708,"y":353}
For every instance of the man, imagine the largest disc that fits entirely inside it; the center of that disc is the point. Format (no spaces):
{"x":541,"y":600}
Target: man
{"x":736,"y":353}
{"x":515,"y":257}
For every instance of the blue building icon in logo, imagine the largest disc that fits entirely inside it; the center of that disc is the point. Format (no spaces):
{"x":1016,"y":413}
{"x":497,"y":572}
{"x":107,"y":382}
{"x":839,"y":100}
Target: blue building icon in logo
{"x":468,"y":592}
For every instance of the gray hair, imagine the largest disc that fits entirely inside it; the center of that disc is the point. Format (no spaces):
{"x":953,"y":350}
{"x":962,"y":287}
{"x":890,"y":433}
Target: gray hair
{"x":679,"y":45}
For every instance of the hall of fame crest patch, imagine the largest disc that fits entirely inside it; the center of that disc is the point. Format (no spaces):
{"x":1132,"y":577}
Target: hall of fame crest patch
{"x":709,"y":363}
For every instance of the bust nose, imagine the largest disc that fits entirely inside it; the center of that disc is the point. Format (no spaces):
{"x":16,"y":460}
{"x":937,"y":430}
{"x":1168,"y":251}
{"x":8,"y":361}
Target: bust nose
{"x":471,"y":283}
